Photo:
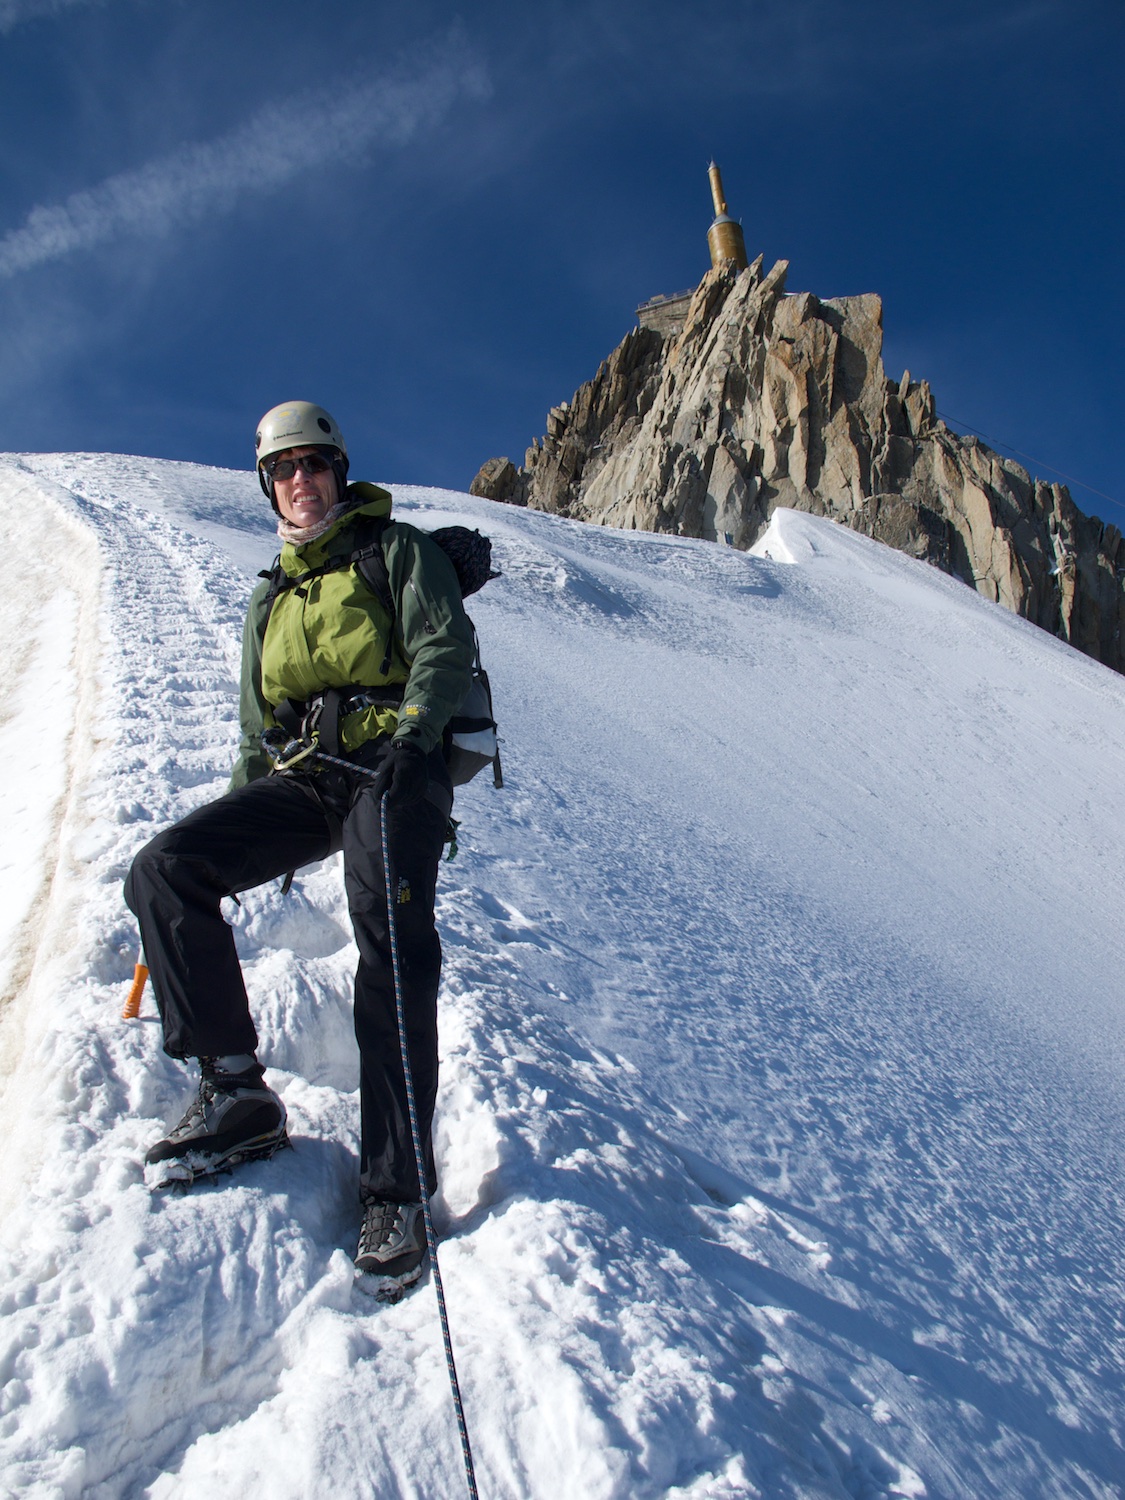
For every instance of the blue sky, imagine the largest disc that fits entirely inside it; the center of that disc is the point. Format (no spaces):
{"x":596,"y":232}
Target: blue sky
{"x":438,"y":221}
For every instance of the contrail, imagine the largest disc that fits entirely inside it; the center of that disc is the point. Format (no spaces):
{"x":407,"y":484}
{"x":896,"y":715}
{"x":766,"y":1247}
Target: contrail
{"x":273,"y":147}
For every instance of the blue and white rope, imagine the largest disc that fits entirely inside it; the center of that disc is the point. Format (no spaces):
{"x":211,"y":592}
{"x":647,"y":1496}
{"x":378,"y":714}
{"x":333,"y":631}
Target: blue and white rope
{"x":431,"y":1238}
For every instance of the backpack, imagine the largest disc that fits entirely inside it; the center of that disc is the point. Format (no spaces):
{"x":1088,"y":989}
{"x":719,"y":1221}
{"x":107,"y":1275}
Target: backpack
{"x":470,"y":741}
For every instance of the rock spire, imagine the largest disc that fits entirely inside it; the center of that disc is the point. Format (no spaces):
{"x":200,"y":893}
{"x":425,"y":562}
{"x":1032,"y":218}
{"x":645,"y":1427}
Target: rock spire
{"x":762,"y":399}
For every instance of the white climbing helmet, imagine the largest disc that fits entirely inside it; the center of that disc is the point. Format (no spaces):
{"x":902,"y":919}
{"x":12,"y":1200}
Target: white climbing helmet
{"x":297,"y":424}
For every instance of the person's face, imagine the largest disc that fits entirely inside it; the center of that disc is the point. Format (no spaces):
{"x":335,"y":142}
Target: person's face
{"x":304,"y":498}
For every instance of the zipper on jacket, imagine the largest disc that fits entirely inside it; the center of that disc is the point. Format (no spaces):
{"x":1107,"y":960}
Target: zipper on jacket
{"x":429,"y":629}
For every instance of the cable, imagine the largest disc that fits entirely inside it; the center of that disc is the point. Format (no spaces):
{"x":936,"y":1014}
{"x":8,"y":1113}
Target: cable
{"x":968,"y":426}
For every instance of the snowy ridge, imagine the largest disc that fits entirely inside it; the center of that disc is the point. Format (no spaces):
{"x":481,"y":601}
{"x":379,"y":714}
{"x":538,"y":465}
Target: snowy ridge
{"x":780,"y":1124}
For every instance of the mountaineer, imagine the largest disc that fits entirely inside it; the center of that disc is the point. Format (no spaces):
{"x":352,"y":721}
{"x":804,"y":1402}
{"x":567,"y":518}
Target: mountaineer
{"x":325,"y":662}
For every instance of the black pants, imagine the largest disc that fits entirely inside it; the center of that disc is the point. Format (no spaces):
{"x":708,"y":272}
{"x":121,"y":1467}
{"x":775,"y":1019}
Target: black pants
{"x":255,"y":834}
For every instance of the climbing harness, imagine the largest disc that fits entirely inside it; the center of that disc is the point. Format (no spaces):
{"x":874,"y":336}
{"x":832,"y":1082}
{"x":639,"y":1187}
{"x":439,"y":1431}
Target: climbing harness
{"x":415,"y":1133}
{"x":285,"y":753}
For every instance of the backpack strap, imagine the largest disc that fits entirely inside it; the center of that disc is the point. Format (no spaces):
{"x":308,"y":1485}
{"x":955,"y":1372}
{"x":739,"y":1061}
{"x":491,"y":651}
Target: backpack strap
{"x":468,"y":551}
{"x":276,"y":577}
{"x":366,"y":556}
{"x":371,"y":565}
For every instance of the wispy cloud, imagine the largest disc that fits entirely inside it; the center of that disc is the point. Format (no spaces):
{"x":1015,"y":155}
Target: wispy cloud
{"x":274,"y":147}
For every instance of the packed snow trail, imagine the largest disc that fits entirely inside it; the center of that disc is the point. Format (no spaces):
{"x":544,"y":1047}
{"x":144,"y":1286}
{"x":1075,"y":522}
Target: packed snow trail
{"x":780,"y":1125}
{"x":49,"y":630}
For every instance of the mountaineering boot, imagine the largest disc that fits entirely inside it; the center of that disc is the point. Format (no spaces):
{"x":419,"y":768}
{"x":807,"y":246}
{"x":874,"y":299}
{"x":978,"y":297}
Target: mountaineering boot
{"x":392,"y":1245}
{"x":233,"y":1118}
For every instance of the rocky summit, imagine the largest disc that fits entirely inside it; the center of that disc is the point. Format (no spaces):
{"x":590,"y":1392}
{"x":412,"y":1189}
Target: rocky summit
{"x":763,"y":399}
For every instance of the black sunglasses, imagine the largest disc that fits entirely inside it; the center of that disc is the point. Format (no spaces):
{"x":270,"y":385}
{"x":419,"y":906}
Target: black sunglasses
{"x":285,"y":468}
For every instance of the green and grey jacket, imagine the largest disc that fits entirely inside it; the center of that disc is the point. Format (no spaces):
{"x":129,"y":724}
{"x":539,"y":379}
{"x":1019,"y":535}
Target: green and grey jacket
{"x":333,"y":633}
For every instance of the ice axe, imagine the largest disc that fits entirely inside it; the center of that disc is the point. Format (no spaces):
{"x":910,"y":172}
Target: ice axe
{"x":136,"y":989}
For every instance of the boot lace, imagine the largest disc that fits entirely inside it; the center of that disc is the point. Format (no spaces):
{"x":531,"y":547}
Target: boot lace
{"x":380,"y":1220}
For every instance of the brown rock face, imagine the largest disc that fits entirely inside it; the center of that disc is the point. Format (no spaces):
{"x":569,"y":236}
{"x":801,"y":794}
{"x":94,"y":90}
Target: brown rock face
{"x":497,"y":480}
{"x":765,"y":399}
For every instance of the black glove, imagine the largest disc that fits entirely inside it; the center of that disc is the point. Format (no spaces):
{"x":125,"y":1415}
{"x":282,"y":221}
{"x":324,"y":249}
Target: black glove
{"x":403,"y":774}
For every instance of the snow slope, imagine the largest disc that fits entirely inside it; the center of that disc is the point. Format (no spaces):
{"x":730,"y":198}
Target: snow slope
{"x":780,"y":1126}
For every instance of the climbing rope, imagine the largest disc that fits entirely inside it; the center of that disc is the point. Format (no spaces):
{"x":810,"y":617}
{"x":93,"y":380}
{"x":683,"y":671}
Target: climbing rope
{"x":431,"y":1238}
{"x":286,"y":752}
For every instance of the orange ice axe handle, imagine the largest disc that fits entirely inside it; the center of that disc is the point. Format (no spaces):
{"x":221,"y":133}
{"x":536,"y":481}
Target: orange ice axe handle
{"x":136,"y":990}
